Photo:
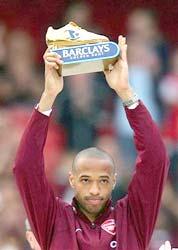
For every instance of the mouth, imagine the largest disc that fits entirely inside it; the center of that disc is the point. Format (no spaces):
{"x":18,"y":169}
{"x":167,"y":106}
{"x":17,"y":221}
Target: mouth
{"x":94,"y":201}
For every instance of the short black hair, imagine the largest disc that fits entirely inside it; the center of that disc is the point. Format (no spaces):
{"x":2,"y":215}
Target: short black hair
{"x":93,"y":152}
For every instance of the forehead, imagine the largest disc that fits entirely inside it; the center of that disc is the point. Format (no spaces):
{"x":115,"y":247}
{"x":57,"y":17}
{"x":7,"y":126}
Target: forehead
{"x":93,"y":166}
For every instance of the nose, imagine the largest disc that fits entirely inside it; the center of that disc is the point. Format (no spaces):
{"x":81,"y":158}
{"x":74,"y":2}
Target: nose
{"x":94,"y":189}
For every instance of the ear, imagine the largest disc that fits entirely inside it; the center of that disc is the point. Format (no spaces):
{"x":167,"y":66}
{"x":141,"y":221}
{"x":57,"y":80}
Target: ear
{"x":71,"y":180}
{"x":114,"y":180}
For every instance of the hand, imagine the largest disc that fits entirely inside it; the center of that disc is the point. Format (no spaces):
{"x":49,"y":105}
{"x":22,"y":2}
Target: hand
{"x":166,"y":246}
{"x":53,"y":80}
{"x":118,"y":77}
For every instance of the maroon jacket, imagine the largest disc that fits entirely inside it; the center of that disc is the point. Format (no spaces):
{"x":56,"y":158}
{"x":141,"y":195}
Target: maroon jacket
{"x":61,"y":226}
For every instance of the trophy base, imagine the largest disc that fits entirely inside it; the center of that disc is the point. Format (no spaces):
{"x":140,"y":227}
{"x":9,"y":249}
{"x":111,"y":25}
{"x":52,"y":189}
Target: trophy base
{"x":87,"y":67}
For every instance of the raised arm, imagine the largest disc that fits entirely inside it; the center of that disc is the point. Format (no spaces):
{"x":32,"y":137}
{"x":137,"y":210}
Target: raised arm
{"x":37,"y":196}
{"x":146,"y":187}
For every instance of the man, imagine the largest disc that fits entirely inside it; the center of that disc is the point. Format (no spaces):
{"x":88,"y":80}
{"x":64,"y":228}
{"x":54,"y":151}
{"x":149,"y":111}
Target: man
{"x":91,"y":223}
{"x":31,"y":237}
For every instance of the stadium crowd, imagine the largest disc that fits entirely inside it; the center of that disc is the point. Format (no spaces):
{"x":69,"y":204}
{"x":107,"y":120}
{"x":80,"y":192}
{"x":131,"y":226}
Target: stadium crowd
{"x":87,"y":112}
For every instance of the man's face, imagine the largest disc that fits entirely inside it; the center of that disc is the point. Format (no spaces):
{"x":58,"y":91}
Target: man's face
{"x":93,"y":180}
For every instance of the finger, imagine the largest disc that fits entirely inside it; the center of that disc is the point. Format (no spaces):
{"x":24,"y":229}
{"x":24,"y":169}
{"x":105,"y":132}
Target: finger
{"x":53,"y":59}
{"x":109,"y":68}
{"x":162,"y":247}
{"x":52,"y":64}
{"x":123,"y":47}
{"x":47,"y":51}
{"x":52,"y":55}
{"x":168,"y":245}
{"x":121,"y":40}
{"x":50,"y":48}
{"x":106,"y":72}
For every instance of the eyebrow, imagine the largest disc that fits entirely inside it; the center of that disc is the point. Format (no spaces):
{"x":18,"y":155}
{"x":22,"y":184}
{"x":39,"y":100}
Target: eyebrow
{"x":104,"y":176}
{"x":87,"y":176}
{"x":82,"y":176}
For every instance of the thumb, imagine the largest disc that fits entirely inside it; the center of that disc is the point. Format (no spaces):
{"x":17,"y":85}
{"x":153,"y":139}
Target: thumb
{"x":162,"y":247}
{"x":106,"y":72}
{"x":124,"y":53}
{"x":123,"y":47}
{"x":168,"y":245}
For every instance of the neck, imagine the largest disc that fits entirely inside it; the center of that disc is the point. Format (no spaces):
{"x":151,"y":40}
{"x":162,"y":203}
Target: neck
{"x":91,"y":217}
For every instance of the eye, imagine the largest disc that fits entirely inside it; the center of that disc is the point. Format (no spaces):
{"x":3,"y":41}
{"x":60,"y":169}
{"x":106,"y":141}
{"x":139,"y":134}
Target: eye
{"x":104,"y":181}
{"x":85,"y":180}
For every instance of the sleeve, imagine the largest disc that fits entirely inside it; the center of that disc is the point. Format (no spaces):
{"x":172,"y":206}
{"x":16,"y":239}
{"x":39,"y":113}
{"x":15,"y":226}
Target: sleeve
{"x":37,"y":196}
{"x":145,"y":189}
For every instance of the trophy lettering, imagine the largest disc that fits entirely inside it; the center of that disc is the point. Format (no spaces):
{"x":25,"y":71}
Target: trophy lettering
{"x":81,"y":51}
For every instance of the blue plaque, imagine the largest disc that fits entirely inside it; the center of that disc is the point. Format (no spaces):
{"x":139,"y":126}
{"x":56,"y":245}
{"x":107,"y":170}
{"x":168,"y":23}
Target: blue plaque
{"x":88,"y":52}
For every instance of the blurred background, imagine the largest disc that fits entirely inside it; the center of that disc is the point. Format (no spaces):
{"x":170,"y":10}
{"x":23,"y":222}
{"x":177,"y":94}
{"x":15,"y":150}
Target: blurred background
{"x":82,"y":116}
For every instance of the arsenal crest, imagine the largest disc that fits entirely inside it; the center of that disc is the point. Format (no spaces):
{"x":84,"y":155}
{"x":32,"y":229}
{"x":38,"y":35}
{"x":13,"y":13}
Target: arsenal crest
{"x":109,"y":226}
